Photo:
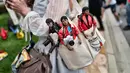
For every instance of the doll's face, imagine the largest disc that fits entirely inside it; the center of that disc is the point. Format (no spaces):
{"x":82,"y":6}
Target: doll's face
{"x":87,"y":12}
{"x":65,"y":22}
{"x":50,"y":24}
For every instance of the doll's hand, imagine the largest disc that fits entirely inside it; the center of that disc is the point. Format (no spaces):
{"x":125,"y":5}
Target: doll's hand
{"x":69,"y":48}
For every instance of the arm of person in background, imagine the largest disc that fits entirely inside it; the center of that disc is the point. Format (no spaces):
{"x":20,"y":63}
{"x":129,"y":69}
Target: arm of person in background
{"x":71,"y":5}
{"x":108,"y":2}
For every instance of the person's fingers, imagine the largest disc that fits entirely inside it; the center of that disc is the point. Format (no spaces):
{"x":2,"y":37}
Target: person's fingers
{"x":11,"y":7}
{"x":14,"y":0}
{"x":10,"y":3}
{"x":23,"y":1}
{"x":7,"y":5}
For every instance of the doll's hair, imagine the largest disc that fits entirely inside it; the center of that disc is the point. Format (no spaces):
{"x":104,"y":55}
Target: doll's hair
{"x":63,"y":18}
{"x":84,"y":9}
{"x":49,"y":20}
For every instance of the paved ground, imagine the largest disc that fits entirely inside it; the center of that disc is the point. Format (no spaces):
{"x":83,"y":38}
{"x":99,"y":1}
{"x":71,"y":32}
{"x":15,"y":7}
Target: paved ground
{"x":126,"y":33}
{"x":118,"y":50}
{"x":100,"y":63}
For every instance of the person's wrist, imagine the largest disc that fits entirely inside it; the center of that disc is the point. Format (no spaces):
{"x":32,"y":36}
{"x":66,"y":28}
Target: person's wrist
{"x":25,"y":11}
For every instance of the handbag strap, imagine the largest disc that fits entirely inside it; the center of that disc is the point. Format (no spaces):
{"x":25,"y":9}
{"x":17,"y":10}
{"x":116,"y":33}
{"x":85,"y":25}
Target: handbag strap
{"x":31,"y":42}
{"x":28,"y":47}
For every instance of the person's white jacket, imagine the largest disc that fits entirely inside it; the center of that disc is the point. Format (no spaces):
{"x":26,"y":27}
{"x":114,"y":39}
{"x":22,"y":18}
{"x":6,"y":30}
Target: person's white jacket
{"x":34,"y":23}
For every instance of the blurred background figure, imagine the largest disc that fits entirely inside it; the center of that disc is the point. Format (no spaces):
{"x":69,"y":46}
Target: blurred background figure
{"x":95,"y":7}
{"x":121,"y":3}
{"x":128,"y":15}
{"x":103,"y":4}
{"x":112,"y":4}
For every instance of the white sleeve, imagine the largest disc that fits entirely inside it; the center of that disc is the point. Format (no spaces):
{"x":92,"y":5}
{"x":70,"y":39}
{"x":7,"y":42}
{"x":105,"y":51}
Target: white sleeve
{"x":40,"y":6}
{"x":34,"y":23}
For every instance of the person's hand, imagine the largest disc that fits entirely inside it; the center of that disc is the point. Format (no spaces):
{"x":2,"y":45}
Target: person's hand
{"x":19,"y":6}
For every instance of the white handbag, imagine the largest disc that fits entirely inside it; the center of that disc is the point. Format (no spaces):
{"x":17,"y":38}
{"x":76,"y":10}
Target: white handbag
{"x":94,"y":41}
{"x":78,"y":58}
{"x":93,"y":38}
